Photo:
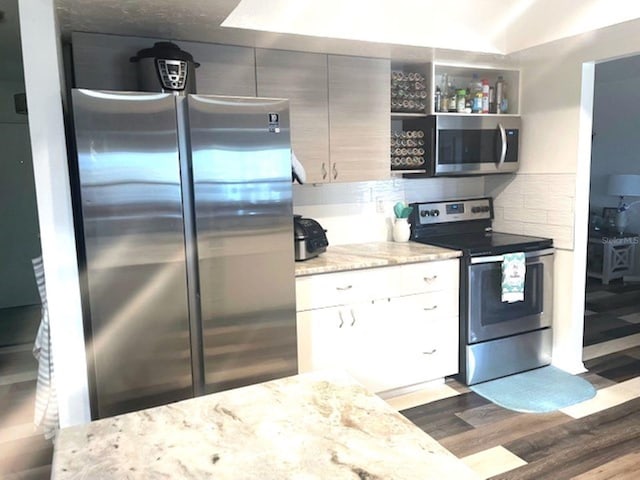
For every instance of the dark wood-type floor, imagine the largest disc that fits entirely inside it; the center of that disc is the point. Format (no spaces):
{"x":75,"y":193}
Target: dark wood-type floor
{"x":611,"y":311}
{"x":24,"y":453}
{"x":555,"y":445}
{"x":604,"y":445}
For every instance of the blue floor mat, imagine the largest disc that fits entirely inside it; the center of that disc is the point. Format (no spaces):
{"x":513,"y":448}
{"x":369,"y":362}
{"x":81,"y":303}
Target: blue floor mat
{"x":541,"y":390}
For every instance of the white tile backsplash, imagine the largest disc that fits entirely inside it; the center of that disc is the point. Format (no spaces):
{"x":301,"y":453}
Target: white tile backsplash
{"x":561,"y":203}
{"x":562,"y":235}
{"x":529,"y":204}
{"x":532,"y":215}
{"x":535,"y":204}
{"x":349,"y":211}
{"x":508,"y":227}
{"x":560,"y":218}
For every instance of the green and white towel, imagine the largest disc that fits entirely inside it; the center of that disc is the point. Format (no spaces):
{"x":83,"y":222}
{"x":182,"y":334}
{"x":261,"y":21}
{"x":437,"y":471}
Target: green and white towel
{"x":513,"y":272}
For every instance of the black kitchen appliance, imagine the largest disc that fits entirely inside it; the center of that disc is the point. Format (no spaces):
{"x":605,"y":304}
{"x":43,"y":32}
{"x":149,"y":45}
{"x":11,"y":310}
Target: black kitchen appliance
{"x":310,"y":239}
{"x":166,"y":68}
{"x":496,"y":338}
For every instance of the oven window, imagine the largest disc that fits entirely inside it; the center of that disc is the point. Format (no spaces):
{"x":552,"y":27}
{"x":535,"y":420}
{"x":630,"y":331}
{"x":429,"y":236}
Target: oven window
{"x":493,"y":310}
{"x":489,"y":317}
{"x":457,"y":147}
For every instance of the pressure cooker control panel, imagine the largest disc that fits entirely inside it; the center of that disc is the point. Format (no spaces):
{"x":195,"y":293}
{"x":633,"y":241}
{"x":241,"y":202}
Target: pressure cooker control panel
{"x":457,"y":211}
{"x":173,"y":73}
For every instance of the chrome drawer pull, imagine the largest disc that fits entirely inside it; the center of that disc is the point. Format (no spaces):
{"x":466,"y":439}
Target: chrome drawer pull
{"x":430,"y":279}
{"x":426,"y":309}
{"x":353,"y":317}
{"x":341,"y":319}
{"x":431,"y":352}
{"x":342,"y":289}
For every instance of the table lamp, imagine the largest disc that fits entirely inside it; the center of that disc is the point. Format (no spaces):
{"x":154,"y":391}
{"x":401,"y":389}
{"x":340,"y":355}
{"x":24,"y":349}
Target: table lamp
{"x":623,"y":186}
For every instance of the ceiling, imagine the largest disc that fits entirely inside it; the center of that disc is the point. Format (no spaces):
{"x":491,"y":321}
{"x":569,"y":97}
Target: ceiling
{"x":378,"y":28}
{"x":495,"y":27}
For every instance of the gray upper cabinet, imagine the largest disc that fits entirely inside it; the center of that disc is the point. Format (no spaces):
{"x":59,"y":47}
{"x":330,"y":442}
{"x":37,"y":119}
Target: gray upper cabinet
{"x":102,"y":62}
{"x":302,"y":78}
{"x":359,"y":112}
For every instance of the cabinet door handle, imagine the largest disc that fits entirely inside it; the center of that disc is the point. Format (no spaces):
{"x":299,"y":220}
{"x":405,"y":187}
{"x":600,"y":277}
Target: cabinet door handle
{"x":353,"y":322}
{"x":342,"y":289}
{"x":430,"y":279}
{"x":335,"y":171}
{"x":426,"y":309}
{"x":430,"y":352}
{"x":324,"y":171}
{"x":341,"y":319}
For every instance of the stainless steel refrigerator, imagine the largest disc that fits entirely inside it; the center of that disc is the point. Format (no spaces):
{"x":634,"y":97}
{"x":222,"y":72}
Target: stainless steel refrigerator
{"x":185,"y":234}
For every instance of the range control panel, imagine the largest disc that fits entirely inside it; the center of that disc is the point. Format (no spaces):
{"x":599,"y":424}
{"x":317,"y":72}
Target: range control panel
{"x":454,"y":211}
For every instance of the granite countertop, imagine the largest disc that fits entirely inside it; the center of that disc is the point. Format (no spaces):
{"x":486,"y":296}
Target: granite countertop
{"x":375,"y":254}
{"x":312,"y":426}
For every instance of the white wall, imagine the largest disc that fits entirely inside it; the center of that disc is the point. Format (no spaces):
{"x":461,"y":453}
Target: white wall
{"x":557,"y":98}
{"x":616,"y":141}
{"x":42,"y":73}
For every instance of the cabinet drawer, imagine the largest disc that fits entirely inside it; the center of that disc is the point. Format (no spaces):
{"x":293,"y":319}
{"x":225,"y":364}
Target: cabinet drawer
{"x":427,"y":306}
{"x":332,"y":289}
{"x":429,"y":276}
{"x":439,"y":348}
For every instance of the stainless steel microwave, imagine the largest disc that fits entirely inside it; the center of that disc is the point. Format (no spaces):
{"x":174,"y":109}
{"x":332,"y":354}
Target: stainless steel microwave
{"x":473,"y":145}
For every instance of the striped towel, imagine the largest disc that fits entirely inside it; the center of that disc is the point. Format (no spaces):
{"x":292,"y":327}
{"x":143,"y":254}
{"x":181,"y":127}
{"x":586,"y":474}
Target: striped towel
{"x":46,"y":408}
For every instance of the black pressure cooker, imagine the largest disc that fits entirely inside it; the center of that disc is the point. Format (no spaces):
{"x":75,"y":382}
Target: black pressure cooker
{"x":166,"y":68}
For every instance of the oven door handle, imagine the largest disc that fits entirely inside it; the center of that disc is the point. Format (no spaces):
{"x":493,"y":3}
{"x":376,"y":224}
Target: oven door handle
{"x":500,"y":258}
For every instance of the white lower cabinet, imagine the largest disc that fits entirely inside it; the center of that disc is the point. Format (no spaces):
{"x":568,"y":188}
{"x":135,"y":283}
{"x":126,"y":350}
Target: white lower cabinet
{"x":344,"y":338}
{"x":385,"y":342}
{"x":425,"y":337}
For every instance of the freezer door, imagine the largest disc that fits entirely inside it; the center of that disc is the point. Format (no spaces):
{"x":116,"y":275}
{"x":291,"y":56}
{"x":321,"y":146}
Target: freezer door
{"x":241,"y":159}
{"x":131,"y":213}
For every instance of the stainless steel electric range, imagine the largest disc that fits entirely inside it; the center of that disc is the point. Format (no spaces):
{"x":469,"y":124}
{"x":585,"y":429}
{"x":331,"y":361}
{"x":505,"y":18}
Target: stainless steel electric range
{"x":496,"y":338}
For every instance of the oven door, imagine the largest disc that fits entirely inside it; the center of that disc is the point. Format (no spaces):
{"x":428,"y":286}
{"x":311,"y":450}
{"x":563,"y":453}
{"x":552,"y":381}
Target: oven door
{"x":466,"y":145}
{"x":488,"y":317}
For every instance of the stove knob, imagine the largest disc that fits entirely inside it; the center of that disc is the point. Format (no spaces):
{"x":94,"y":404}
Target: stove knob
{"x":424,"y":213}
{"x":485,"y":209}
{"x":434,"y":213}
{"x":475,"y":209}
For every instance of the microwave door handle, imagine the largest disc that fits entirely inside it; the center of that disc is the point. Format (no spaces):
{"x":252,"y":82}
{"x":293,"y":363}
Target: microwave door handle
{"x":503,"y":148}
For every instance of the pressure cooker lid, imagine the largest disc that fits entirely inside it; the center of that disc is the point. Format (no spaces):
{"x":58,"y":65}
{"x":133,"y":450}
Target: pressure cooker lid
{"x":166,"y":50}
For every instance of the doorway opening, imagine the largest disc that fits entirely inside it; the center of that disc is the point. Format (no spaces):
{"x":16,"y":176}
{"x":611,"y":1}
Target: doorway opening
{"x":612,"y":292}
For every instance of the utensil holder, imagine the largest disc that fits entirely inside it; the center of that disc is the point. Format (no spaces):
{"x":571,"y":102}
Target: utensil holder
{"x":401,"y":230}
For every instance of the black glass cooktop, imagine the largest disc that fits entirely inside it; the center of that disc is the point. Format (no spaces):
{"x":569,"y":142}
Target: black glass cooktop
{"x":494,"y":243}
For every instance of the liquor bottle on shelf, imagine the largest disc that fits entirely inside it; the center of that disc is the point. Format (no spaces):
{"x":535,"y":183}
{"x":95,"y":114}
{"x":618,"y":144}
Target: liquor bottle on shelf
{"x":453,"y":98}
{"x":475,"y":94}
{"x":485,"y":95}
{"x":502,"y":104}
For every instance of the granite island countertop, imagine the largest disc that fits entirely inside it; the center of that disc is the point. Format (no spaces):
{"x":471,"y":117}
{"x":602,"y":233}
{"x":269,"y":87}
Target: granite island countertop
{"x":374,"y":254}
{"x":312,"y":426}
